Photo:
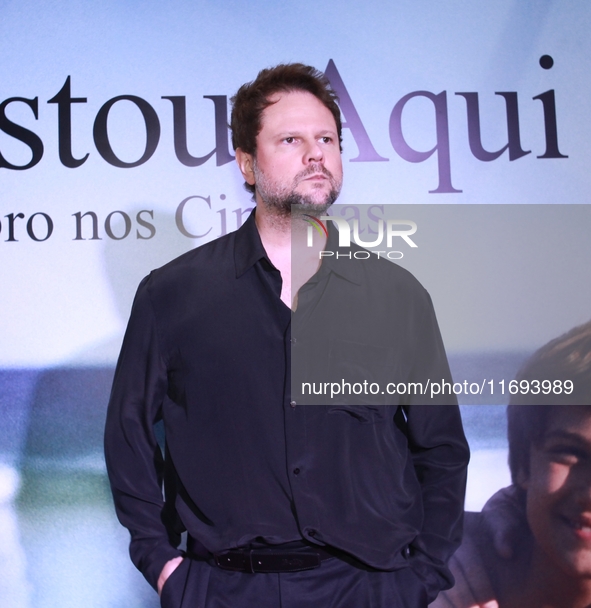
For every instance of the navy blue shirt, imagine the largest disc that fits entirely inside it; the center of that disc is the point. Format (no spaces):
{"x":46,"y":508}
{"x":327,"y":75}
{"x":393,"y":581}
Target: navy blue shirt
{"x":249,"y":457}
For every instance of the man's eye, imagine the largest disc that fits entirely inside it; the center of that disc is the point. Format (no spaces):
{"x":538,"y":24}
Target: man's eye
{"x":326,"y":140}
{"x":289,"y":140}
{"x":566,"y":454}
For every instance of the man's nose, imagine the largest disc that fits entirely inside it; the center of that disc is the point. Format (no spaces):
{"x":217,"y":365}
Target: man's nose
{"x":314,"y":153}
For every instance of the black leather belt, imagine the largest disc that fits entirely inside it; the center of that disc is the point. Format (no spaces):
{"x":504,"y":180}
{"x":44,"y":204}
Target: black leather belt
{"x":270,"y":560}
{"x":293,"y":556}
{"x":289,"y":557}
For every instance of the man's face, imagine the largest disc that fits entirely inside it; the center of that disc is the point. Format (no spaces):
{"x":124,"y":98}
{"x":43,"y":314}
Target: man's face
{"x":298,"y":159}
{"x":559,"y":491}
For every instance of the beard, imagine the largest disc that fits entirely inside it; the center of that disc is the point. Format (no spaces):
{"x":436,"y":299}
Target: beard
{"x":282,"y":200}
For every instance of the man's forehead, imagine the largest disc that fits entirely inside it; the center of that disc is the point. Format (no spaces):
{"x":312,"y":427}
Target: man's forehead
{"x":571,"y":420}
{"x":296,"y":94}
{"x":298,"y":106}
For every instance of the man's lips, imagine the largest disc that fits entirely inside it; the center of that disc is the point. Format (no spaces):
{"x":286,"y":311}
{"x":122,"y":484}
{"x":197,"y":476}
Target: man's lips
{"x":581,"y":526}
{"x":313,"y":173}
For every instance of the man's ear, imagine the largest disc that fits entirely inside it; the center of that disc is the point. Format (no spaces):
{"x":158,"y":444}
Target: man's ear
{"x":245,"y":164}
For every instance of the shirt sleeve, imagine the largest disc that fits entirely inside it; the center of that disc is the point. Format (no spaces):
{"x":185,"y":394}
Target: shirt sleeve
{"x":440,"y":456}
{"x":133,"y":457}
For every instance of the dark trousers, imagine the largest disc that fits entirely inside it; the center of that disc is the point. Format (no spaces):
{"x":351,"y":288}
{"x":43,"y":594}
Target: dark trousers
{"x":335,"y":584}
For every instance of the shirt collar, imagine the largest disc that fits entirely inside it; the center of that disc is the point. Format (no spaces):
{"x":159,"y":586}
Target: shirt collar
{"x":343,"y":266}
{"x":248,"y":247}
{"x":248,"y":250}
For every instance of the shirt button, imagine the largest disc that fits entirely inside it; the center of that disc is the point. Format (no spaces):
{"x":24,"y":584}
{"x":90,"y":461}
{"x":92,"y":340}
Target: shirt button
{"x":293,"y":403}
{"x":312,"y":532}
{"x":296,"y":471}
{"x":294,"y":341}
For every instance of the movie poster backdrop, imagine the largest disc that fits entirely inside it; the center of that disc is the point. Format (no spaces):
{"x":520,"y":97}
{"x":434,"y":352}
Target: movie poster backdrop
{"x":471,"y":119}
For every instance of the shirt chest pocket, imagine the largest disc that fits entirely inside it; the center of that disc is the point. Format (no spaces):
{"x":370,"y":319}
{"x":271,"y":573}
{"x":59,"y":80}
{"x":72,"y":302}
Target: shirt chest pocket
{"x":360,"y":375}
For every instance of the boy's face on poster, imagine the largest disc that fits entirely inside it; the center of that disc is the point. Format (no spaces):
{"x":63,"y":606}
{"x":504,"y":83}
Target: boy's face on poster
{"x":559,"y":491}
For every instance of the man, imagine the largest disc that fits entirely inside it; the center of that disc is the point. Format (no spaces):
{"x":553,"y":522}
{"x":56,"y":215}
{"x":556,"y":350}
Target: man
{"x":285,"y":503}
{"x":531,"y":545}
